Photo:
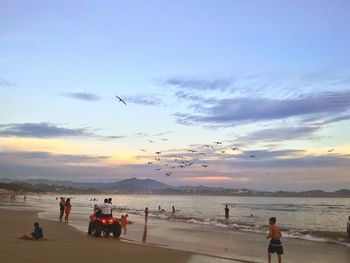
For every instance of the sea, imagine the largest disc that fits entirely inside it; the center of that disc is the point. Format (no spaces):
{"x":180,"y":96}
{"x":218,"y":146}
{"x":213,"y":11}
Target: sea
{"x":317,"y":219}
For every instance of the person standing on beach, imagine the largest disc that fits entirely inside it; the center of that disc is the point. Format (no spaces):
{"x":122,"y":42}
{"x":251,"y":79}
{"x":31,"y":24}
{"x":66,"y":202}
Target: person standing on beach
{"x":173,"y":209}
{"x":146,"y":214}
{"x":275,"y":242}
{"x":348,"y":227}
{"x":68,"y":209}
{"x":227,"y":212}
{"x":62,"y":208}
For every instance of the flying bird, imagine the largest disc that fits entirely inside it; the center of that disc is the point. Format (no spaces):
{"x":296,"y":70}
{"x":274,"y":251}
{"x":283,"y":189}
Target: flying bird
{"x":164,"y":139}
{"x":143,"y":150}
{"x":204,"y":165}
{"x":331,"y":150}
{"x":120,"y":99}
{"x":235,"y":149}
{"x":223,"y":151}
{"x":150,"y":141}
{"x":168,"y":174}
{"x":192,"y":151}
{"x":208,"y":146}
{"x":149,"y":163}
{"x":158,"y":169}
{"x":252,"y":156}
{"x":218,"y":142}
{"x":158,"y":153}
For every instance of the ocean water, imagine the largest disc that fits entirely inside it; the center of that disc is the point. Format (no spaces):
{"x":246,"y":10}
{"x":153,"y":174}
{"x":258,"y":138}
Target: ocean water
{"x":318,"y":219}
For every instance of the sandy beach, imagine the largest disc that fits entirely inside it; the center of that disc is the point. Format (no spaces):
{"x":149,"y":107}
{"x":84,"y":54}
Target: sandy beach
{"x":66,"y":244}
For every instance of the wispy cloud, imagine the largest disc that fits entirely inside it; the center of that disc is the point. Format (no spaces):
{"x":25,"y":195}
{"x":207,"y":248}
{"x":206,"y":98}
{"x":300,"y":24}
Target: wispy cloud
{"x":48,"y":130}
{"x":7,"y":84}
{"x":82,"y":96}
{"x":148,"y":100}
{"x":237,"y":111}
{"x":279,"y":134}
{"x":196,"y":83}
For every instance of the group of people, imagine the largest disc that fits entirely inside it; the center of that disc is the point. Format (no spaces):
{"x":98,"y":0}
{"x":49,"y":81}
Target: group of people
{"x":65,"y":209}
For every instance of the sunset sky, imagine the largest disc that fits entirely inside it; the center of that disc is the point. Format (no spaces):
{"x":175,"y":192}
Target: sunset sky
{"x":269,"y":80}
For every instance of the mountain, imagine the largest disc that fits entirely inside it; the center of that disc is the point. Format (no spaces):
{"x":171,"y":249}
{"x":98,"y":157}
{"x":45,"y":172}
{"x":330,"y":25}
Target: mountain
{"x":147,"y":186}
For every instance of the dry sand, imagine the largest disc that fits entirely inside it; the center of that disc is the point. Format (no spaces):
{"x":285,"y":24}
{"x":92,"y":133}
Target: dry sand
{"x":65,"y":244}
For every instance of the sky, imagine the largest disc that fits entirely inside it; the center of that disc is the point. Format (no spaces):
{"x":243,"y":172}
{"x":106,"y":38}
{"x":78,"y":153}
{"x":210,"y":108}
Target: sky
{"x":252,"y":94}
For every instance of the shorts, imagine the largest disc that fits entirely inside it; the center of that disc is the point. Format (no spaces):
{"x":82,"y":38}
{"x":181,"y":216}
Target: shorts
{"x":275,"y":246}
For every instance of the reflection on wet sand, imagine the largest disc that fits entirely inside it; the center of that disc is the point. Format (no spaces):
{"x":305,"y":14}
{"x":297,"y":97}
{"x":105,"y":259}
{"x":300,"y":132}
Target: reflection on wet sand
{"x":144,"y":236}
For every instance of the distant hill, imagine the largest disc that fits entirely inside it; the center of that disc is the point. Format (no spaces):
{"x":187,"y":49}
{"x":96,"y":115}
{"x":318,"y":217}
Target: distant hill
{"x":149,"y":186}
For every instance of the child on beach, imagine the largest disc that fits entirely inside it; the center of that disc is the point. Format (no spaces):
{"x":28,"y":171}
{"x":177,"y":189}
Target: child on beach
{"x":275,"y":242}
{"x":68,"y":207}
{"x":37,"y":233}
{"x":348,"y":227}
{"x":146,"y":214}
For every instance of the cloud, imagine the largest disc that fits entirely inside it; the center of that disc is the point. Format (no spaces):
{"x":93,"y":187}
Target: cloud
{"x":7,"y":84}
{"x":279,"y":134}
{"x":82,"y":96}
{"x":237,"y":111}
{"x":47,"y":130}
{"x":192,"y":83}
{"x":146,"y":100}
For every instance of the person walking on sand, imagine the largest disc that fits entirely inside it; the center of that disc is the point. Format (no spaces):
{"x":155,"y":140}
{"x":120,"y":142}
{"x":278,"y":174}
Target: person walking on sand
{"x":275,"y":242}
{"x":348,"y":227}
{"x":68,"y":209}
{"x":146,"y":214}
{"x":62,"y":208}
{"x":227,"y":212}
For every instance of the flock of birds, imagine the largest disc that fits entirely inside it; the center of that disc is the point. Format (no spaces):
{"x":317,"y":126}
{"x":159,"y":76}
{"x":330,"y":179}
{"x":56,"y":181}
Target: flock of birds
{"x":180,"y":161}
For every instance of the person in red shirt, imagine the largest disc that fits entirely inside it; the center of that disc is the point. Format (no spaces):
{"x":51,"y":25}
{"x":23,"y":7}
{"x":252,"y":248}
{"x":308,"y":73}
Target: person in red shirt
{"x":275,"y":242}
{"x":68,"y":208}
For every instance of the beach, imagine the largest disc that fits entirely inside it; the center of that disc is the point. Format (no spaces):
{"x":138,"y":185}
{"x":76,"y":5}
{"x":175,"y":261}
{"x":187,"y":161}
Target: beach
{"x":161,"y":240}
{"x":64,"y":243}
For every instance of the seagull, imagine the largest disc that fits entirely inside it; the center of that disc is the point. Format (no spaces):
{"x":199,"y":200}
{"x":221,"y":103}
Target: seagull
{"x":192,"y":151}
{"x":158,"y":153}
{"x":223,"y":151}
{"x":168,"y":174}
{"x":164,"y":139}
{"x":158,"y":169}
{"x":208,"y":146}
{"x":150,"y":141}
{"x":204,"y":165}
{"x":235,"y":149}
{"x":218,"y":142}
{"x":143,"y":150}
{"x":120,"y":99}
{"x":331,"y":150}
{"x":149,"y":163}
{"x":252,"y":156}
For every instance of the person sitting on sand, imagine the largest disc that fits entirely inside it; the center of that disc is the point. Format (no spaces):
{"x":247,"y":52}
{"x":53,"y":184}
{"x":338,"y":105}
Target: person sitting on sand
{"x":348,"y":227}
{"x":275,"y":242}
{"x":37,"y":233}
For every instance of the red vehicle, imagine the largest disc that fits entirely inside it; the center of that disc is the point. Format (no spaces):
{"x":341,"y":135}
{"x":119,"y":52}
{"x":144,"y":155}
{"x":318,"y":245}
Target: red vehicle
{"x":106,"y":225}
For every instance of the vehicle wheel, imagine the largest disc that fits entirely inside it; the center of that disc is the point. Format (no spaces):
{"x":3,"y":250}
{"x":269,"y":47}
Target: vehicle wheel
{"x":117,"y":230}
{"x":97,"y":229}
